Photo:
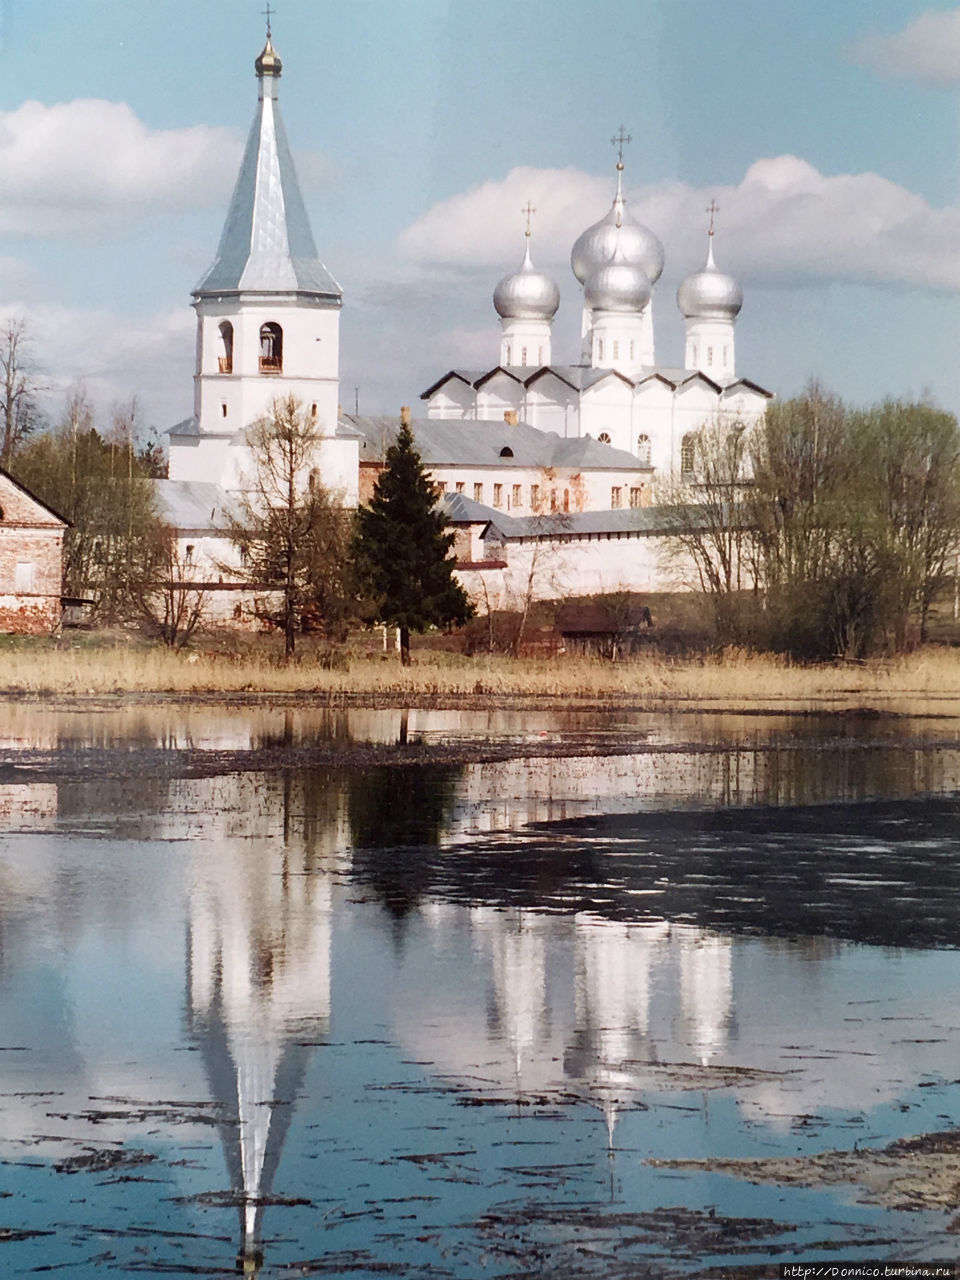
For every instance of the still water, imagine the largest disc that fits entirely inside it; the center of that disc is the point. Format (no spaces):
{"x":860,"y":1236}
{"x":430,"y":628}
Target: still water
{"x":457,"y":1020}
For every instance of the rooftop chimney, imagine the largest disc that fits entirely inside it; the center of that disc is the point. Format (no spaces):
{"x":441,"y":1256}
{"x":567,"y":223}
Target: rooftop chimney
{"x":405,"y":415}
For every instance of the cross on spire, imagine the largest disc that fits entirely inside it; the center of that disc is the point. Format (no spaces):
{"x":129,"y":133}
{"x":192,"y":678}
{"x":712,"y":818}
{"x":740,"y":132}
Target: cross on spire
{"x":619,"y":140}
{"x":713,"y":209}
{"x":528,"y":213}
{"x":268,"y":14}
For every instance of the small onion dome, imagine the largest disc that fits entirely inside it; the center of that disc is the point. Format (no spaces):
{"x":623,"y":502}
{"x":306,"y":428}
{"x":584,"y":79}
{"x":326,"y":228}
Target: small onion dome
{"x":710,"y":294}
{"x":268,"y":62}
{"x":526,"y":294}
{"x":594,"y":246}
{"x":618,"y":285}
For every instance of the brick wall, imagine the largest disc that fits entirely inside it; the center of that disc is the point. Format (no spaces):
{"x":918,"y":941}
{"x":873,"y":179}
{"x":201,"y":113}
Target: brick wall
{"x":31,"y":562}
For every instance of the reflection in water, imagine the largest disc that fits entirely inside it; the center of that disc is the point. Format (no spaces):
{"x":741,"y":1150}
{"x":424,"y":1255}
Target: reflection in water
{"x":396,"y":817}
{"x":611,"y":958}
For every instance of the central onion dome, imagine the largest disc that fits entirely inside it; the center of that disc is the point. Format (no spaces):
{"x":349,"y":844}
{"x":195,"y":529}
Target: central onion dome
{"x":619,"y":284}
{"x":710,"y":294}
{"x":526,"y":294}
{"x":595,"y":246}
{"x":268,"y":61}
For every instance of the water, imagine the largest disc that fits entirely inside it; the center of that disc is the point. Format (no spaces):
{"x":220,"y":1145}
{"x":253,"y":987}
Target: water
{"x":464,"y":1019}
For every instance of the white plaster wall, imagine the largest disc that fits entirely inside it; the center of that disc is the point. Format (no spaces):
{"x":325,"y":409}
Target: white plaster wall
{"x":710,"y":348}
{"x":532,"y":336}
{"x":569,"y":568}
{"x":310,"y":361}
{"x":455,"y":399}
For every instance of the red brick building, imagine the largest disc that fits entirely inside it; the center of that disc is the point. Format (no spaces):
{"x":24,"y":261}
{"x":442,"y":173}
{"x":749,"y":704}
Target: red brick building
{"x":31,"y":561}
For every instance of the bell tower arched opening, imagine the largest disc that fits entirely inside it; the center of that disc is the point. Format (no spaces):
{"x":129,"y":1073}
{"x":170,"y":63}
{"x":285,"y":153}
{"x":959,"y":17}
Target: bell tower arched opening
{"x":271,"y":348}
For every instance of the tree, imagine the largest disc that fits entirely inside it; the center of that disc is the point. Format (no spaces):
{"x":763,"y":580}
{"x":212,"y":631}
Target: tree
{"x":170,"y":600}
{"x":706,"y":520}
{"x":99,"y":485}
{"x":19,"y":412}
{"x":402,"y":549}
{"x":293,"y":533}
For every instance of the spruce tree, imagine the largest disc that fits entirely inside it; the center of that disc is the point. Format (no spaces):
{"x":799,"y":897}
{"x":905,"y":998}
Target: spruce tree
{"x":402,"y":549}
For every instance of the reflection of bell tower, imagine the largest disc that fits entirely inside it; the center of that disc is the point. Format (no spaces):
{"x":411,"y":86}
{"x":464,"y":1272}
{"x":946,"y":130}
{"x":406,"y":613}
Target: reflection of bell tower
{"x":258,"y":954}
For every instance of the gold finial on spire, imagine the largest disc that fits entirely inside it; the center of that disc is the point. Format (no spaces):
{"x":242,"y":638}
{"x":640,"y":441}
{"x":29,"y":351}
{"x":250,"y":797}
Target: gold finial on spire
{"x":268,"y":63}
{"x":528,"y":213}
{"x":713,"y":209}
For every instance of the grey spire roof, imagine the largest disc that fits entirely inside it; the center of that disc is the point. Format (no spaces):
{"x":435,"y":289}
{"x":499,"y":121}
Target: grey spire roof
{"x":267,"y":245}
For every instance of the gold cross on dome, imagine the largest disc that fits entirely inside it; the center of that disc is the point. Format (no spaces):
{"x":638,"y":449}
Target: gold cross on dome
{"x":619,"y":140}
{"x":713,"y":209}
{"x":268,"y":14}
{"x":528,"y":213}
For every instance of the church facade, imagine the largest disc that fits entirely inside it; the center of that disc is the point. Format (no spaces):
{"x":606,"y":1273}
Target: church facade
{"x":529,"y":440}
{"x":615,"y":392}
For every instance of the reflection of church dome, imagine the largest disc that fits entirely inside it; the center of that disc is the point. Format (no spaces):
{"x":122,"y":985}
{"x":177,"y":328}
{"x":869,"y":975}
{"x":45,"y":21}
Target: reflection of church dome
{"x":618,"y":284}
{"x":526,"y":294}
{"x":594,"y":246}
{"x":710,"y":294}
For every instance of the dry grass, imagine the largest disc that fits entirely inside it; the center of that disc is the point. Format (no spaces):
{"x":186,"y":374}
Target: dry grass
{"x":735,"y":679}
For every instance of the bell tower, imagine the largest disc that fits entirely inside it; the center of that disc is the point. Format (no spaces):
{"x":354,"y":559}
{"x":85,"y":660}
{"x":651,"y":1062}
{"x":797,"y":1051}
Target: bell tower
{"x":268,"y":310}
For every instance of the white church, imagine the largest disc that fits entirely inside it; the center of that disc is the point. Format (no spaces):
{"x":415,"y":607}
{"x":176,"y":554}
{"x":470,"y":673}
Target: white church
{"x":527,"y":455}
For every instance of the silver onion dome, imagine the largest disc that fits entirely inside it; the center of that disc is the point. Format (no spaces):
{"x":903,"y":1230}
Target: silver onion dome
{"x":526,"y":294}
{"x":710,"y":294}
{"x":619,"y":284}
{"x":594,"y":246}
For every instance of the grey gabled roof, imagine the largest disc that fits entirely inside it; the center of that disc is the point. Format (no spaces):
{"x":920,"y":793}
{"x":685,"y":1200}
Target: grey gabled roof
{"x":267,"y":245}
{"x":480,"y":443}
{"x":646,"y":520}
{"x":194,"y":504}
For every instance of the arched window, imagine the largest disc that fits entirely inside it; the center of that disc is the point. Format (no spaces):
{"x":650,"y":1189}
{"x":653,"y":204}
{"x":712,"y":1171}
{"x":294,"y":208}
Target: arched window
{"x":599,"y":348}
{"x":506,"y":452}
{"x":523,"y":355}
{"x":616,"y":349}
{"x":604,"y":437}
{"x":688,"y":450}
{"x":225,"y":356}
{"x":643,"y":450}
{"x":509,"y":353}
{"x":271,"y":348}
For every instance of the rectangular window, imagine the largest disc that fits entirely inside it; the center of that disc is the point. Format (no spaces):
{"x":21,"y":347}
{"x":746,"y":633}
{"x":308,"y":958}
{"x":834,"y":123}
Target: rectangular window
{"x":553,"y":499}
{"x":523,"y":355}
{"x":460,"y":486}
{"x":616,"y":349}
{"x":636,"y":496}
{"x":516,"y":499}
{"x":23,"y":575}
{"x":615,"y":494}
{"x":599,"y":348}
{"x":478,"y":493}
{"x":498,"y":495}
{"x":633,"y":347}
{"x":223,"y":410}
{"x":709,"y":356}
{"x":534,"y":496}
{"x":188,"y":553}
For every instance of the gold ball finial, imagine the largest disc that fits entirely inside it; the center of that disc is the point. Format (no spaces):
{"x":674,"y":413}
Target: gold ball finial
{"x":268,"y":63}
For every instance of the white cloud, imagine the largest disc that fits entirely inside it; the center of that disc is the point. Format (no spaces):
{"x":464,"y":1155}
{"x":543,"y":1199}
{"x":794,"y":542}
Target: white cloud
{"x":784,"y":223}
{"x":89,"y":165}
{"x":114,"y":356}
{"x":926,"y":50}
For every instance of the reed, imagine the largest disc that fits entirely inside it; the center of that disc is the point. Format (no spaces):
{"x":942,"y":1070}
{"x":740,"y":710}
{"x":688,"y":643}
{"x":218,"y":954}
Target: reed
{"x":732,"y":679}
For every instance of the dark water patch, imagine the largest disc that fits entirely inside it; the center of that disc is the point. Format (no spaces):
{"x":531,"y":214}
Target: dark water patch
{"x":884,"y":873}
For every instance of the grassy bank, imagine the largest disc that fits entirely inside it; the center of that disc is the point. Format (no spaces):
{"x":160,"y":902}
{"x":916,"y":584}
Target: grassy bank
{"x":733,"y":679}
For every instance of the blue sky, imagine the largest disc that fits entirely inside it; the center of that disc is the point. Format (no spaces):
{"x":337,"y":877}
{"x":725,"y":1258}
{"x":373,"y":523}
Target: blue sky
{"x":827,"y":132}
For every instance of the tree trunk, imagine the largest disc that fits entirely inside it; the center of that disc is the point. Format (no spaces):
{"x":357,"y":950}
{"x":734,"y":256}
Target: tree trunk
{"x":405,"y":646}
